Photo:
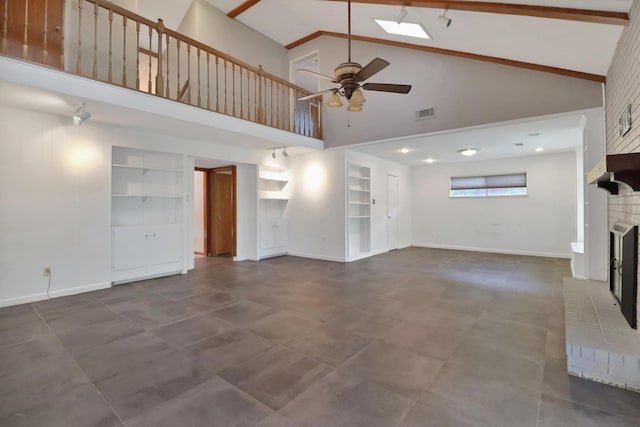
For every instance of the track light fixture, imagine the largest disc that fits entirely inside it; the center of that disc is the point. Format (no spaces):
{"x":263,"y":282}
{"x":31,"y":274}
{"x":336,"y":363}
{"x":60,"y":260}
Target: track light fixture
{"x":81,"y":114}
{"x":402,"y":15}
{"x":444,"y":19}
{"x":273,"y":151}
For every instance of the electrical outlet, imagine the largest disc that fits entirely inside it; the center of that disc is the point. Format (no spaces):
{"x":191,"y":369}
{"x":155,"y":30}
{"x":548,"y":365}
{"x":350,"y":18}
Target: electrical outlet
{"x":46,"y":271}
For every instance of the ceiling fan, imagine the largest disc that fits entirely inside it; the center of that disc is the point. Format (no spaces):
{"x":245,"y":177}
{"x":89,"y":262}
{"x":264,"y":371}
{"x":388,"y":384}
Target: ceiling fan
{"x":350,"y":76}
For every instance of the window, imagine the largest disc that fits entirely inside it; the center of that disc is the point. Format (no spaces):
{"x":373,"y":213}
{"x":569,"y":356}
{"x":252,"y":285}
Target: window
{"x":489,"y":186}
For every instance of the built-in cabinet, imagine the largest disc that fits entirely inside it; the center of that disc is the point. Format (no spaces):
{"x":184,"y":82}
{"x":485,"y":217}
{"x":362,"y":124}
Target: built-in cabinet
{"x":274,"y":191}
{"x":358,"y":211}
{"x":147,"y":214}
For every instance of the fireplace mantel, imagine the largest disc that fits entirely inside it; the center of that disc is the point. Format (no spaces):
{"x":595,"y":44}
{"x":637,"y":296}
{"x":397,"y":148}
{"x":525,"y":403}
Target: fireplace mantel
{"x":615,"y":168}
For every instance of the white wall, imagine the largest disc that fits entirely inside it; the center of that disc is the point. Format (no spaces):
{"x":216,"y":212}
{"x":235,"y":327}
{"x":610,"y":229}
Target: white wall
{"x":380,"y":169}
{"x":465,"y":92}
{"x":198,"y":211}
{"x":212,"y":27}
{"x":316,"y":209}
{"x":55,"y":198}
{"x":541,"y":223}
{"x":247,"y":212}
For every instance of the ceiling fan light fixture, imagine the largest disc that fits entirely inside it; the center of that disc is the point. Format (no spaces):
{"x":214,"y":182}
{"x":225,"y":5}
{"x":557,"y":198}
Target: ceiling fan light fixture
{"x":358,"y":97}
{"x":334,"y":100}
{"x":408,"y":29}
{"x":354,"y":107}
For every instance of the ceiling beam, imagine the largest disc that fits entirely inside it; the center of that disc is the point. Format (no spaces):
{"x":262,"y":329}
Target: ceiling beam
{"x":582,"y":15}
{"x":510,"y":62}
{"x":242,"y":7}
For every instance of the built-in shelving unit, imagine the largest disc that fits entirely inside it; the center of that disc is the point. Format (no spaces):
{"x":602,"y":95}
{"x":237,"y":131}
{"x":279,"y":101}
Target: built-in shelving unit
{"x":359,"y":211}
{"x":147,"y":214}
{"x":273,"y":191}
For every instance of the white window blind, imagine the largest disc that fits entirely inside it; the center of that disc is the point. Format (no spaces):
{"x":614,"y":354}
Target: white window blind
{"x":489,"y":185}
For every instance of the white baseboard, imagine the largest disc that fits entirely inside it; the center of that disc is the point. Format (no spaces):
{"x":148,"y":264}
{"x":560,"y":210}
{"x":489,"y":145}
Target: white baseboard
{"x":53,"y":294}
{"x":491,"y":250}
{"x":316,"y":256}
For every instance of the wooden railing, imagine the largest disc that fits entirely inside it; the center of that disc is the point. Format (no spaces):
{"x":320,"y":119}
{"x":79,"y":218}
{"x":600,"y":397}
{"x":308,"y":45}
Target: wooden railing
{"x":109,"y":43}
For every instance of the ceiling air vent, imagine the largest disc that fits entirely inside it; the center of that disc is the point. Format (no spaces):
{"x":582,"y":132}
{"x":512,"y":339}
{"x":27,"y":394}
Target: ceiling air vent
{"x":426,"y":113}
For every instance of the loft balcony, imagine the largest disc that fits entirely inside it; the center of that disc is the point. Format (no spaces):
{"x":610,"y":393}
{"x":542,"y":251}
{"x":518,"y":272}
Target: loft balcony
{"x":104,"y":42}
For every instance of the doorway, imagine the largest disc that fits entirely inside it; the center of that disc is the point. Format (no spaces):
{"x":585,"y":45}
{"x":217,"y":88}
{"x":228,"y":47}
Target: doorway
{"x":392,"y":212}
{"x":221,"y":183}
{"x":43,"y":30}
{"x":305,"y":114}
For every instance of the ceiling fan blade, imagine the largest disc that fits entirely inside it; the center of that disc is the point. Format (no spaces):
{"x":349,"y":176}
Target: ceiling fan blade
{"x":315,"y":95}
{"x":385,"y":87}
{"x":317,"y":75}
{"x":373,"y":67}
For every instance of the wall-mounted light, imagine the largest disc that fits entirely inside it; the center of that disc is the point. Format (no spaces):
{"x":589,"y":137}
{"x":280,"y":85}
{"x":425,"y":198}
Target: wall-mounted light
{"x":81,"y":114}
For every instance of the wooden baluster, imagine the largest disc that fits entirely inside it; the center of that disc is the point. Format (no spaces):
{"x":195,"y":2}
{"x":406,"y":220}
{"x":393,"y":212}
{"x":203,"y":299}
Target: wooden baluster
{"x":188,"y":82}
{"x":110,"y":72}
{"x":168,"y":91}
{"x":5,"y":23}
{"x":159,"y":76}
{"x":95,"y":40}
{"x":217,"y":86}
{"x":260,"y":111}
{"x":233,"y":92}
{"x":149,"y":81}
{"x":199,"y":103}
{"x":248,"y":94}
{"x":61,"y":29}
{"x":271,"y":107}
{"x":45,"y":54}
{"x":79,"y":60}
{"x":241,"y":96}
{"x":25,"y":44}
{"x":137,"y":54}
{"x":278,"y":105}
{"x":178,"y":64}
{"x":256,"y":95}
{"x":208,"y":82}
{"x":124,"y":51}
{"x":225,"y":87}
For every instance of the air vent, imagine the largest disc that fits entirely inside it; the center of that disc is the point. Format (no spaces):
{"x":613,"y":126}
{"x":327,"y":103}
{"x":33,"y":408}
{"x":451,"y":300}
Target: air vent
{"x":426,"y":113}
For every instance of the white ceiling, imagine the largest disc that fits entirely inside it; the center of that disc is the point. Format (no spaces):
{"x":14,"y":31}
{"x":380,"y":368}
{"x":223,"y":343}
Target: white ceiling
{"x":573,"y":45}
{"x":556,"y":134}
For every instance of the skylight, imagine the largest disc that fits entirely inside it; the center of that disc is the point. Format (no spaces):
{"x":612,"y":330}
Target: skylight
{"x":403,"y":28}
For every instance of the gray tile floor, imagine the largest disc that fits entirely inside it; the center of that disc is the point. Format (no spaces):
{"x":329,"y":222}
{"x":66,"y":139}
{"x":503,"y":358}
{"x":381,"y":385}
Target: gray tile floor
{"x":416,"y":337}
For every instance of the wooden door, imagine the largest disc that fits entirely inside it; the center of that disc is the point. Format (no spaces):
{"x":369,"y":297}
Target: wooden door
{"x":40,"y":40}
{"x":222,"y":220}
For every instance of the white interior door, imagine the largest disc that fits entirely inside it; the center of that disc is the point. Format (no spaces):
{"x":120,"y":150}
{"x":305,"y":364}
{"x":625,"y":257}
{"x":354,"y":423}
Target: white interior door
{"x":392,"y":212}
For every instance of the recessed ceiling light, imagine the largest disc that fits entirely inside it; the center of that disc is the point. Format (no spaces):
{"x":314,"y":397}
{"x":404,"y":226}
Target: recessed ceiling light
{"x":534,"y":134}
{"x":468,"y":152}
{"x":403,"y":28}
{"x":539,"y":149}
{"x":429,"y":160}
{"x":404,"y":150}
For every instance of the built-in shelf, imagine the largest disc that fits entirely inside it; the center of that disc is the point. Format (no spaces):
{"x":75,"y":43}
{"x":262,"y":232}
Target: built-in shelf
{"x":616,"y":168}
{"x":145,"y":169}
{"x":359,"y":211}
{"x":144,"y":196}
